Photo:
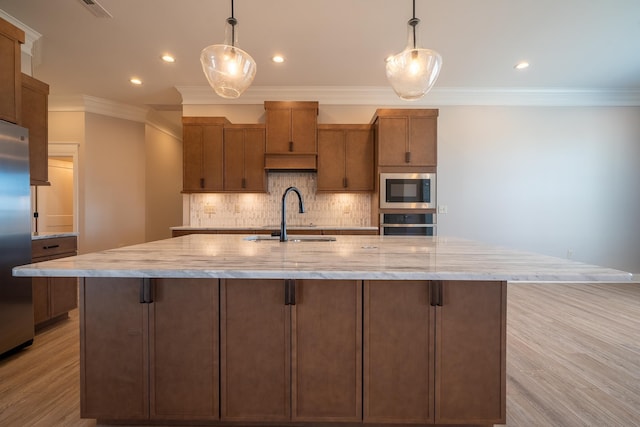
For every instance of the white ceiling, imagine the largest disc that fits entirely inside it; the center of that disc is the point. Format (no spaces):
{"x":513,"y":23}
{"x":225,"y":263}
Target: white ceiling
{"x":572,"y":45}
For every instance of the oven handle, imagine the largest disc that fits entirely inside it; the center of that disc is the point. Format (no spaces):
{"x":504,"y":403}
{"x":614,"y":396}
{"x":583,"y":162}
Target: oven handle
{"x":408,"y":225}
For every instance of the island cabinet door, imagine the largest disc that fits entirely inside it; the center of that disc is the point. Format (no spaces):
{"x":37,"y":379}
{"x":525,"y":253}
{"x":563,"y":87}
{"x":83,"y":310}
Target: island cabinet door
{"x":327,"y":351}
{"x":183,"y":349}
{"x":113,"y":350}
{"x":471,"y":353}
{"x":398,"y":352}
{"x":255,"y":346}
{"x":291,"y":351}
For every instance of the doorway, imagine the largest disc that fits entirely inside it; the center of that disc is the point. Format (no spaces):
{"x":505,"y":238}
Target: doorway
{"x":57,"y":205}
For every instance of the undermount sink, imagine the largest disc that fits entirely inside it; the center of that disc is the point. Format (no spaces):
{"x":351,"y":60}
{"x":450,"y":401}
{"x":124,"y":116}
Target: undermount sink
{"x":294,"y":238}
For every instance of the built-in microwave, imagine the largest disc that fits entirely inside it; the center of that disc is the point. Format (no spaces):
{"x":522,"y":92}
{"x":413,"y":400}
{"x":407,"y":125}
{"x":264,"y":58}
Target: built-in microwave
{"x":408,"y":190}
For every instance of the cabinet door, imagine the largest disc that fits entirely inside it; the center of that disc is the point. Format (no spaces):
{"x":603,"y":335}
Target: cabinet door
{"x":423,"y":141}
{"x":35,"y":117}
{"x":10,"y":93}
{"x":303,"y":130}
{"x":291,"y":126}
{"x":398,"y":352}
{"x":183,"y":345}
{"x":114,"y":374}
{"x":244,"y":160}
{"x":359,"y":160}
{"x":392,"y":141}
{"x":470,"y":362}
{"x":255,"y":347}
{"x":327,"y":351}
{"x":234,"y":152}
{"x":331,"y":160}
{"x":407,"y":141}
{"x":63,"y":295}
{"x":278,"y":126}
{"x":254,"y":173}
{"x":202,"y":158}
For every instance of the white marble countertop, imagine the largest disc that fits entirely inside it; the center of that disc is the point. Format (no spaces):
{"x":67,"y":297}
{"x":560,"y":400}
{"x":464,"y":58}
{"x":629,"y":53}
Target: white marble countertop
{"x":349,"y":257}
{"x":52,"y":234}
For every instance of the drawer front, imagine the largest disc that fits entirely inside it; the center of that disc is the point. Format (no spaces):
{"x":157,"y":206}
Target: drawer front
{"x":54,"y":246}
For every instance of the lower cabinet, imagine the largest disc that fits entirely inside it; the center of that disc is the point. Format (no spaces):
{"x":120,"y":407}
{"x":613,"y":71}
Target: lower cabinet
{"x":282,"y":352}
{"x":114,"y":350}
{"x":435,"y":352}
{"x":149,"y":349}
{"x":53,"y":297}
{"x":183,"y":349}
{"x":291,"y":351}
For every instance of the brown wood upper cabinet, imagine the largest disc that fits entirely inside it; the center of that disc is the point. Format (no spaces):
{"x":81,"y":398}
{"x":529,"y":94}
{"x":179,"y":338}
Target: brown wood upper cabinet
{"x":244,"y":158}
{"x":447,"y":364}
{"x":35,"y":95}
{"x":203,"y":157}
{"x":345,"y":158}
{"x":291,"y":134}
{"x":53,"y":297}
{"x":297,"y":356}
{"x":407,"y":137}
{"x":10,"y":75}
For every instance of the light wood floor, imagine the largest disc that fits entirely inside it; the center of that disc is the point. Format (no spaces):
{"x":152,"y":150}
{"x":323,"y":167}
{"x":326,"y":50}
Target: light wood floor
{"x":573,"y":359}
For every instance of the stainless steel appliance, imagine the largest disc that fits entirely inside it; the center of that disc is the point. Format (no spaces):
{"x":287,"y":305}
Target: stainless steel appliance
{"x":16,"y":306}
{"x":408,"y":190}
{"x":408,"y":224}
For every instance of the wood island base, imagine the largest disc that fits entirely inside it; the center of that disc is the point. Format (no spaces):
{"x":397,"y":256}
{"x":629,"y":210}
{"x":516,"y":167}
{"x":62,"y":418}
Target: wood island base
{"x":285,"y":352}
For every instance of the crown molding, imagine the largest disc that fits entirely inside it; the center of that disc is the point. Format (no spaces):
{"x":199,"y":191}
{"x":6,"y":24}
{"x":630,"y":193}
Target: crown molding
{"x":30,"y":35}
{"x":105,"y":107}
{"x":437,"y":97}
{"x":92,"y":104}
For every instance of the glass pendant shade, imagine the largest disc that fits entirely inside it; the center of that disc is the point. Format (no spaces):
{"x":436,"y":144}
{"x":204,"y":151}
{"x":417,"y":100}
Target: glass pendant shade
{"x":229,"y":69}
{"x":414,"y":71}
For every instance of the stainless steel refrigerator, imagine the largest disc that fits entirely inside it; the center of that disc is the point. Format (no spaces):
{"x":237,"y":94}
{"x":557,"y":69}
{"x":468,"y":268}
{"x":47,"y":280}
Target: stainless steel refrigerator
{"x":16,"y":304}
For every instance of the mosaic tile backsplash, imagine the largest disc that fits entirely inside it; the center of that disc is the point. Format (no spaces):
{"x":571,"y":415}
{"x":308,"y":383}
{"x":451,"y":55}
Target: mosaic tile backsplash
{"x":259,"y":209}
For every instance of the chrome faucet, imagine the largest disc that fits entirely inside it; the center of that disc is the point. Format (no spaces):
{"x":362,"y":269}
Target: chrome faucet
{"x":283,"y":222}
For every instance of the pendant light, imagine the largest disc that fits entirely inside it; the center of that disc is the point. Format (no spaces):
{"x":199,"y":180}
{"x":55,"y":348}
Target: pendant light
{"x":229,"y":69}
{"x":413,"y":71}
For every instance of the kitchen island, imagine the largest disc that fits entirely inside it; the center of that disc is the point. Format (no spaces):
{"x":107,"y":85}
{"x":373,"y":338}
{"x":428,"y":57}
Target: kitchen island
{"x":222,"y":330}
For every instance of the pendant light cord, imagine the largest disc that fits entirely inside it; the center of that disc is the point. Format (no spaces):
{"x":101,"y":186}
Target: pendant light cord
{"x":413,"y":22}
{"x":232,"y":21}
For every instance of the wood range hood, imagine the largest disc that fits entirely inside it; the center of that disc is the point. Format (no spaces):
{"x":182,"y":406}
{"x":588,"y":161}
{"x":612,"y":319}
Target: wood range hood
{"x":291,"y":135}
{"x":290,"y":162}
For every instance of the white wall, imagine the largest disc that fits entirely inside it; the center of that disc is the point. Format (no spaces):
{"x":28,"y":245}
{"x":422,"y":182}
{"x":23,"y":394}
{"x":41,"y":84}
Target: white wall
{"x":559,"y":181}
{"x":163,"y":200}
{"x":114,"y":179}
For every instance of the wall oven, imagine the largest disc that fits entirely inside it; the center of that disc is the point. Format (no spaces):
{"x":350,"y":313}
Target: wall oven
{"x":408,"y":224}
{"x":408,"y":190}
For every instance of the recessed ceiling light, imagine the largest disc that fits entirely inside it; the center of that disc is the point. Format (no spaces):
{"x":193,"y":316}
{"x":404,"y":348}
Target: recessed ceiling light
{"x":521,"y":65}
{"x":136,"y":81}
{"x":168,"y":58}
{"x":277,"y":58}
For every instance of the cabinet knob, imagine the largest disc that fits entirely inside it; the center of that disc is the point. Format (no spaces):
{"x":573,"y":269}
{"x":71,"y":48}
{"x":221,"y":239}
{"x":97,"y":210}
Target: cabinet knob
{"x":344,"y":183}
{"x":290,"y":146}
{"x":201,"y":182}
{"x":407,"y":157}
{"x":244,"y":183}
